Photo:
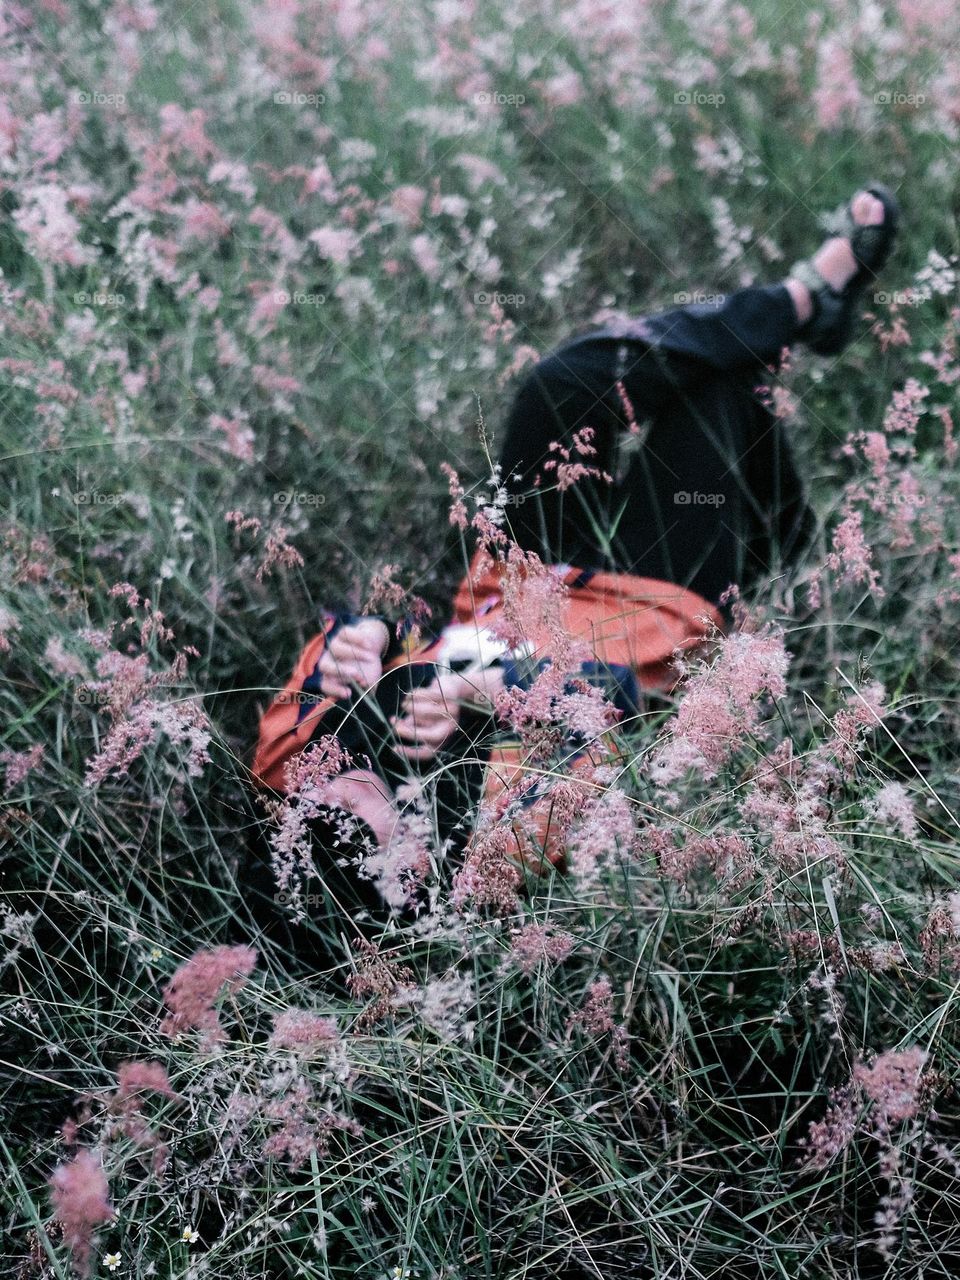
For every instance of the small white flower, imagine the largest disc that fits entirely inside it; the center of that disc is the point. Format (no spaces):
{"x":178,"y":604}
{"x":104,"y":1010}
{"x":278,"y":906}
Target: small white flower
{"x":400,"y":1273}
{"x":111,"y":1261}
{"x":190,"y":1235}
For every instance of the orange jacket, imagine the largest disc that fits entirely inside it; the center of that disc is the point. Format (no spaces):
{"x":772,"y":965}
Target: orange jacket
{"x":628,"y":622}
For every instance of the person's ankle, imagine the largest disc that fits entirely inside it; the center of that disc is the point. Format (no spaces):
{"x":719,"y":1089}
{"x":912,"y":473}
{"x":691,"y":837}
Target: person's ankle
{"x":801,"y":299}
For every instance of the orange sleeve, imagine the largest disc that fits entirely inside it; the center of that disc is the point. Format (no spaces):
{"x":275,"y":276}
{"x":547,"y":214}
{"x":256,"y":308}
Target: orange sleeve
{"x":291,"y":720}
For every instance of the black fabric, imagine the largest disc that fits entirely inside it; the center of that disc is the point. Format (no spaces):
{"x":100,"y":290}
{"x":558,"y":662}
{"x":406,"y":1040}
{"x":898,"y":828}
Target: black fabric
{"x":707,"y":494}
{"x":363,"y":728}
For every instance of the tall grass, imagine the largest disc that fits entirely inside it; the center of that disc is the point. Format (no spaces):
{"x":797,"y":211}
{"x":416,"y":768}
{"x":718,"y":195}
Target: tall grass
{"x":176,"y":347}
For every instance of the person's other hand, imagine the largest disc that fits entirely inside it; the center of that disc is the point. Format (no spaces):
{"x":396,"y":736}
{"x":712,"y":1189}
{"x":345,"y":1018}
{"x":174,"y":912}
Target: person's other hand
{"x":353,"y":657}
{"x":429,"y":717}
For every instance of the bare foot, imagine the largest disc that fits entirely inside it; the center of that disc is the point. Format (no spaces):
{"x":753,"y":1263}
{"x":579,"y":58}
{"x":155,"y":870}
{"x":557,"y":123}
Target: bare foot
{"x":834,"y":259}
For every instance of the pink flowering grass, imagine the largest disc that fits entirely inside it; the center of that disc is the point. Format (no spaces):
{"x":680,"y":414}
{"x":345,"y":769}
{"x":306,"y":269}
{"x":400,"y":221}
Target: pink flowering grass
{"x":80,"y":1200}
{"x":191,"y":993}
{"x":271,"y":275}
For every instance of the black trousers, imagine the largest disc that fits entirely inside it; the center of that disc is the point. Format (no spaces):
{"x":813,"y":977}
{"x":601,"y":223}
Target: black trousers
{"x":706,"y":493}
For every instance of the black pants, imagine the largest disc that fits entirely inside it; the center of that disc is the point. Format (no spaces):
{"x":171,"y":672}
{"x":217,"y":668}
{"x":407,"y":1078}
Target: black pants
{"x":706,"y":494}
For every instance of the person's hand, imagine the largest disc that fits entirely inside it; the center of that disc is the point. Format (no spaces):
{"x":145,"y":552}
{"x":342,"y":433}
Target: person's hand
{"x":481,"y":685}
{"x":429,"y":717}
{"x":354,"y":656}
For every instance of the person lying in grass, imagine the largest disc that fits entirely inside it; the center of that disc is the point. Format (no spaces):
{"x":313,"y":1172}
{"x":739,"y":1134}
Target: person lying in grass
{"x":640,"y":463}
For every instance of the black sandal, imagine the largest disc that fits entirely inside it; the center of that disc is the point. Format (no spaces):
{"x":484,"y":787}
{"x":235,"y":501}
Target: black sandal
{"x":831,"y":326}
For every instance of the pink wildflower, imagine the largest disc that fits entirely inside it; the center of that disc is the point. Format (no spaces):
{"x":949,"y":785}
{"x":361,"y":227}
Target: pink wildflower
{"x":892,"y":1083}
{"x":721,"y":705}
{"x":242,"y":523}
{"x":18,"y":764}
{"x":829,"y":1137}
{"x":489,"y":877}
{"x":51,"y":230}
{"x":385,"y":591}
{"x":940,"y":936}
{"x":305,"y":1125}
{"x":277,"y":552}
{"x":425,"y":255}
{"x":339,"y":244}
{"x":202,"y":221}
{"x":851,"y":556}
{"x":9,"y":624}
{"x":399,"y":870}
{"x":136,"y":1078}
{"x":569,"y":471}
{"x":387,"y":983}
{"x":306,"y":797}
{"x":458,"y":508}
{"x":837,"y":97}
{"x":606,"y":829}
{"x":950,"y":445}
{"x":893,"y":807}
{"x":80,"y":1203}
{"x":304,"y":1033}
{"x":906,"y":408}
{"x":183,"y":724}
{"x":891,"y":1086}
{"x":60,"y":661}
{"x":237,"y":435}
{"x":275,"y":382}
{"x":596,"y":1018}
{"x":629,"y":412}
{"x":192,"y":991}
{"x":537,"y":944}
{"x":863,"y":709}
{"x":553,"y":708}
{"x":407,"y":203}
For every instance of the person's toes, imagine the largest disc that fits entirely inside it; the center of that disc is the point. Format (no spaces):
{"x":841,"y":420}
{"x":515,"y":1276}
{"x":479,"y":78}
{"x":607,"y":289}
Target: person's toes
{"x":866,"y":209}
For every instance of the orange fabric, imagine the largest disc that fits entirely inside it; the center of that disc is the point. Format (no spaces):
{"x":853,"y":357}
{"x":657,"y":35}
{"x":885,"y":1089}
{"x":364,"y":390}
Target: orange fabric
{"x":628,"y":621}
{"x":536,"y":840}
{"x":281,"y":736}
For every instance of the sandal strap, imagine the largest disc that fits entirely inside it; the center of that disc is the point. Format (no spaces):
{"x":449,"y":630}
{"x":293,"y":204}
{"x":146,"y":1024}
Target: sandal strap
{"x":827,"y":314}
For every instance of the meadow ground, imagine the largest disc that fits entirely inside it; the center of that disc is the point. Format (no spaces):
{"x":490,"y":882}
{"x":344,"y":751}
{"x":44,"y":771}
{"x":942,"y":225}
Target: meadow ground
{"x":278,"y":262}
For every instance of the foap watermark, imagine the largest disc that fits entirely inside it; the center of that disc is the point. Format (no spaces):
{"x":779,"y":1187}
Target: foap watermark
{"x":294,"y":499}
{"x":686,"y":498}
{"x":484,"y":299}
{"x":903,"y":298}
{"x":899,"y":499}
{"x":99,"y":299}
{"x":296,"y":698}
{"x":299,"y":298}
{"x":684,"y":298}
{"x":496,"y":99}
{"x":284,"y":899}
{"x":293,"y":98}
{"x":697,"y":98}
{"x":94,"y":498}
{"x":894,"y":98}
{"x":87,"y":697}
{"x":96,"y":98}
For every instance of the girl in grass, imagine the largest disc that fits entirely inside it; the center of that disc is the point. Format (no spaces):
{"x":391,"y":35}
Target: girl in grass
{"x":641,"y":464}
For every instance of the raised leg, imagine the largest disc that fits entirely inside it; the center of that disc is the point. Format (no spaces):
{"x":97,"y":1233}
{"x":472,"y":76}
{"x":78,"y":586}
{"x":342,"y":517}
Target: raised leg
{"x":700,"y":474}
